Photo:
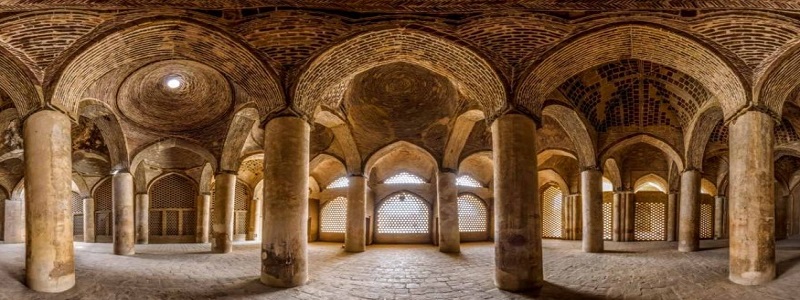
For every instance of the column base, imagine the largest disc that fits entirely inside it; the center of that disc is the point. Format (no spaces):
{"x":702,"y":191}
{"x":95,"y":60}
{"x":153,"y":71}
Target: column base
{"x":753,"y":278}
{"x":511,"y":283}
{"x":59,"y":285}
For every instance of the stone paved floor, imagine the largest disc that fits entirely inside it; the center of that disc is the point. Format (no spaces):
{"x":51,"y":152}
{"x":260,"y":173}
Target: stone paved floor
{"x":645,"y":270}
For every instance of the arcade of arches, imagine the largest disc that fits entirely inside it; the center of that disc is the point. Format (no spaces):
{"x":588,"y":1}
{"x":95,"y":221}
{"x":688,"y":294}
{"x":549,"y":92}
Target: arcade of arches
{"x":469,"y":126}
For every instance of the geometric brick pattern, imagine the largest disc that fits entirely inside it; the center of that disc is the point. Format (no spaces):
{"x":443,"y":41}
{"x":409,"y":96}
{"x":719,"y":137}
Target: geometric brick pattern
{"x":706,"y":221}
{"x":635,"y":93}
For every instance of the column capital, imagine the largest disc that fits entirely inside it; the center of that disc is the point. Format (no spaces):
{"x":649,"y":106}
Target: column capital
{"x":755,"y":108}
{"x":288,"y":112}
{"x":516,"y":110}
{"x":591,"y":168}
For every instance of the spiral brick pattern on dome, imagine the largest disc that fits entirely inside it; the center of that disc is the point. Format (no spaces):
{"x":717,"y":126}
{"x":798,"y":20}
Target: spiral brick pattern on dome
{"x":202,"y":98}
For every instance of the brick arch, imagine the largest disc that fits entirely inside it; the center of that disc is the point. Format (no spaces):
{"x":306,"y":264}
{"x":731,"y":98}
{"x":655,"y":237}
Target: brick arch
{"x":651,"y":178}
{"x":19,"y":83}
{"x":577,"y":131}
{"x":177,"y":143}
{"x":550,"y":177}
{"x":665,"y":147}
{"x":325,"y":79}
{"x":425,"y":164}
{"x":459,"y":135}
{"x":156,"y":39}
{"x":647,"y":42}
{"x":698,"y":135}
{"x":344,"y":134}
{"x":111,"y":130}
{"x":612,"y":173}
{"x":238,"y":132}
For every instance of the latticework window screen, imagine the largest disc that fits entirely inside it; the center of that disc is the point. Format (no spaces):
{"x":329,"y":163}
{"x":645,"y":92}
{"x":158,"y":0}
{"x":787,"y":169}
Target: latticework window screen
{"x":607,"y":217}
{"x":102,"y":208}
{"x":403,"y":213}
{"x":333,"y":217}
{"x":172,"y":198}
{"x":241,"y":205}
{"x":472,"y":214}
{"x":77,"y":214}
{"x":706,"y":221}
{"x":466,"y":180}
{"x":340,"y":182}
{"x":650,"y":221}
{"x":404,"y":178}
{"x":552,"y":200}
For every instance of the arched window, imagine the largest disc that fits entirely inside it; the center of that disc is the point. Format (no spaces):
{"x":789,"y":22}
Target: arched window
{"x":466,"y":180}
{"x":404,"y":178}
{"x":333,"y":218}
{"x":339,"y":183}
{"x":102,"y":210}
{"x":551,"y":212}
{"x":403,"y":213}
{"x":607,"y":185}
{"x":172,"y":207}
{"x":77,"y":214}
{"x":706,"y":216}
{"x":472,"y":214}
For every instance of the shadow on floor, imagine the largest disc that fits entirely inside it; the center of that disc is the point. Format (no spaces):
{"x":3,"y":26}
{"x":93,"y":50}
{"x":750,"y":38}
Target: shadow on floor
{"x":553,"y":291}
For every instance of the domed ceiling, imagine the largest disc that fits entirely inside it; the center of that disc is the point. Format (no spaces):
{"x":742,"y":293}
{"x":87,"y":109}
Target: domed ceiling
{"x":175,"y":96}
{"x":400,"y":101}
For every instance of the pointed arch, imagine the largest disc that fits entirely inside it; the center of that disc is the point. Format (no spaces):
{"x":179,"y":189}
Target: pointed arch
{"x":111,"y":130}
{"x":612,"y":172}
{"x":424,"y":165}
{"x":578,"y":132}
{"x":163,"y":38}
{"x":458,"y":137}
{"x":478,"y":165}
{"x":325,"y":168}
{"x":325,"y":78}
{"x":343,"y":134}
{"x":552,"y":177}
{"x":666,"y":148}
{"x":651,"y":179}
{"x":643,"y":41}
{"x":707,"y":187}
{"x":238,"y":131}
{"x":159,"y":146}
{"x":699,"y":132}
{"x":19,"y":82}
{"x":546,"y":154}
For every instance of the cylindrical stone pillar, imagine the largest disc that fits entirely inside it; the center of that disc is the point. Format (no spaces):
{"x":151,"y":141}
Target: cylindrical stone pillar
{"x":222,"y":229}
{"x":122,"y":198}
{"x":355,"y":237}
{"x":449,"y":235}
{"x":50,"y":257}
{"x":752,"y":205}
{"x":616,"y":217}
{"x":203,"y":218}
{"x":284,"y":246}
{"x":88,"y":220}
{"x":142,"y":218}
{"x":689,"y":229}
{"x":592,"y":203}
{"x":719,"y":213}
{"x":518,"y":224}
{"x":672,"y":205}
{"x":630,"y":216}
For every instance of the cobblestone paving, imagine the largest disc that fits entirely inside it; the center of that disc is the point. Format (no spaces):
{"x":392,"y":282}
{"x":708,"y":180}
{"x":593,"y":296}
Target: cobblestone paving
{"x":645,"y":270}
